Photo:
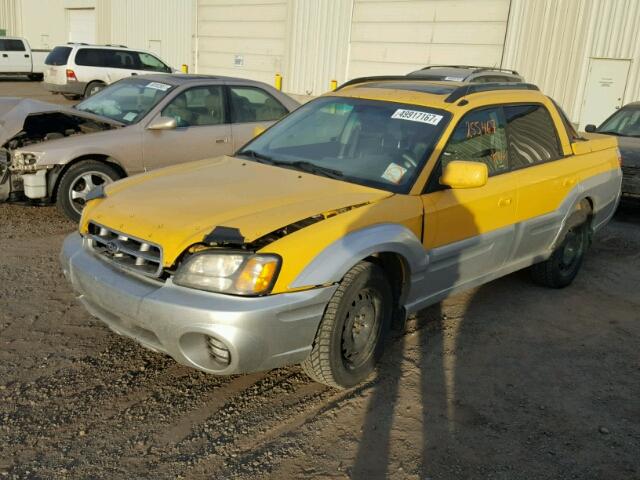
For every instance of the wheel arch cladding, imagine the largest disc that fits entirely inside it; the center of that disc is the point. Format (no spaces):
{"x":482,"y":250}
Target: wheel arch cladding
{"x":382,"y":242}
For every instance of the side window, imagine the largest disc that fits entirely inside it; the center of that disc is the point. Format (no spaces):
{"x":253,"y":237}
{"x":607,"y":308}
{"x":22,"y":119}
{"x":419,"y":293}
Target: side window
{"x":252,"y":104}
{"x":479,"y":137}
{"x":532,"y":135}
{"x":197,"y":107}
{"x":12,"y":45}
{"x":151,"y":63}
{"x":91,"y":57}
{"x":123,"y":59}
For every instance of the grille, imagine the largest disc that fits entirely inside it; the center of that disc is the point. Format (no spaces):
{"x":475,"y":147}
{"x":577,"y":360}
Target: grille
{"x":125,"y":251}
{"x":219,"y":351}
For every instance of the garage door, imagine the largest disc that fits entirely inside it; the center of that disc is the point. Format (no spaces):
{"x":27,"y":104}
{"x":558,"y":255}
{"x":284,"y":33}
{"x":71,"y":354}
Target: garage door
{"x":82,"y":25}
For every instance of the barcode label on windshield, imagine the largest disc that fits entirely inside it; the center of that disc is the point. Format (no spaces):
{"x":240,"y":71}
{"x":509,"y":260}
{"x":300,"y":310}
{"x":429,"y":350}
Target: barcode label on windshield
{"x":415,"y":116}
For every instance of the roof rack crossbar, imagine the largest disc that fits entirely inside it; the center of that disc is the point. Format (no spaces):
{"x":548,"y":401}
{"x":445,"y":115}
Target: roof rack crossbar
{"x":465,"y":90}
{"x":375,"y":78}
{"x":475,"y":68}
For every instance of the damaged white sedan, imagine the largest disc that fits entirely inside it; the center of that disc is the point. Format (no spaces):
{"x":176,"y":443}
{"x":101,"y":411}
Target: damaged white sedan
{"x":51,"y":153}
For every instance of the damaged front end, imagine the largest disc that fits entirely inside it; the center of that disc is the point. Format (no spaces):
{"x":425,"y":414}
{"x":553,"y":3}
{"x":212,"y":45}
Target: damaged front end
{"x":37,"y":128}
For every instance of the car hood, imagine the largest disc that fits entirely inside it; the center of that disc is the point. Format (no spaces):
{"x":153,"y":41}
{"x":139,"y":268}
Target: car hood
{"x":13,"y":112}
{"x":630,"y":151}
{"x":178,"y":206}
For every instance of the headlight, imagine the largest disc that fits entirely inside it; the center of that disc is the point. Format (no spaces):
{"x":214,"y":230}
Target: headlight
{"x":237,"y":273}
{"x":25,"y":161}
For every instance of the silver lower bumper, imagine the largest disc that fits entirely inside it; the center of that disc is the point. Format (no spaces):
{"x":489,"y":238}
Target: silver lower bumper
{"x":260,"y":333}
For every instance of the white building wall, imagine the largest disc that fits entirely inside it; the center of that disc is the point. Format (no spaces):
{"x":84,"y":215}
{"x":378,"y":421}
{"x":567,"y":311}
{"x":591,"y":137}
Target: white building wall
{"x":394,"y":37}
{"x":10,"y":17}
{"x":551,"y":42}
{"x":165,"y":27}
{"x":243,"y":38}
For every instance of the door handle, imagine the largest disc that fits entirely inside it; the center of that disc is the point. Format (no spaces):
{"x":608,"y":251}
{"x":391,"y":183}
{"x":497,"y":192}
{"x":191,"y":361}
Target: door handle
{"x":222,"y":140}
{"x":504,"y":202}
{"x":26,"y":56}
{"x":568,"y":182}
{"x":5,"y":55}
{"x":134,"y":73}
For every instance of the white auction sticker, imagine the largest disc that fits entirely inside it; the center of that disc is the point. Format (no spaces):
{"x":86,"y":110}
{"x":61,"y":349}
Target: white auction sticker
{"x":394,"y":173}
{"x":159,"y":86}
{"x":415,"y":116}
{"x":454,"y":79}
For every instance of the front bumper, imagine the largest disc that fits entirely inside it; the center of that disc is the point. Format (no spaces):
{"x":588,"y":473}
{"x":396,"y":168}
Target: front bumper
{"x":259,"y":333}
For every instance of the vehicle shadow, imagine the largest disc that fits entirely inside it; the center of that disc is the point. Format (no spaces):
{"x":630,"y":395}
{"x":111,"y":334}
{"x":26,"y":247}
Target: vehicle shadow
{"x":433,"y":355}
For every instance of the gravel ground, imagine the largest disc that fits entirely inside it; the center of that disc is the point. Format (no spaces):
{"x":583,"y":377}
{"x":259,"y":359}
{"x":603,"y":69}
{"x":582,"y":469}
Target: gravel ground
{"x":507,"y":381}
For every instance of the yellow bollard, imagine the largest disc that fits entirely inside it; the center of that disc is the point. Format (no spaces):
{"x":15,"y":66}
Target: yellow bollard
{"x":333,"y":85}
{"x":184,"y":68}
{"x":278,"y":82}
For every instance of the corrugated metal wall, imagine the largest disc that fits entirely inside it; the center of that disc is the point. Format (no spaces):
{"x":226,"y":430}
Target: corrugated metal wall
{"x":316,"y":46}
{"x":244,"y":38}
{"x":163,"y":26}
{"x":10,"y":17}
{"x":398,"y":36}
{"x":552,"y":41}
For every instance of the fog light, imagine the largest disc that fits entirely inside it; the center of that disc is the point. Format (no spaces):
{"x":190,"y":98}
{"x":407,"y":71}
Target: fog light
{"x":218,"y":351}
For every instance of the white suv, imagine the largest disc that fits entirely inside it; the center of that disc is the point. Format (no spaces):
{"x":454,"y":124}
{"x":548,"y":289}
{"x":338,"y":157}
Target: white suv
{"x":80,"y":70}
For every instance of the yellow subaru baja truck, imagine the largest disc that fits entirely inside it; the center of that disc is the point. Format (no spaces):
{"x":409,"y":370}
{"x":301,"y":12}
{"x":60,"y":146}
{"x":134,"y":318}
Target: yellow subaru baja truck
{"x":359,"y":208}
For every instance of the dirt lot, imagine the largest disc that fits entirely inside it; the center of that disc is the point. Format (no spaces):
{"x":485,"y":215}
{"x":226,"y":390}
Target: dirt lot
{"x":509,"y":381}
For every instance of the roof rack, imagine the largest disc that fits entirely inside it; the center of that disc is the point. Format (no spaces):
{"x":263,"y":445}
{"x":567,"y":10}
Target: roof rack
{"x":465,"y":90}
{"x":456,"y":94}
{"x":115,"y":45}
{"x":374,"y":78}
{"x":475,"y":69}
{"x":77,"y":43}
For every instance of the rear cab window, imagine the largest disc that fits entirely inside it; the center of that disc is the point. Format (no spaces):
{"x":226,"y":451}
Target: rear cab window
{"x":532,"y":135}
{"x":58,"y":56}
{"x":12,"y":45}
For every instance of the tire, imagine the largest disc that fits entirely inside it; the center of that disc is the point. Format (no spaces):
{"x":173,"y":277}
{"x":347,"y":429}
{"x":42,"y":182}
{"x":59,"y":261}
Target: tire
{"x":93,"y":88}
{"x":78,"y":181}
{"x":562,"y":267}
{"x":363,"y":303}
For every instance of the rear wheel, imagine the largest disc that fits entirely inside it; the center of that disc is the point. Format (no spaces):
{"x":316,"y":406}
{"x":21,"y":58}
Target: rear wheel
{"x":562,"y":267}
{"x":78,"y":181}
{"x":351,"y":335}
{"x":93,"y":88}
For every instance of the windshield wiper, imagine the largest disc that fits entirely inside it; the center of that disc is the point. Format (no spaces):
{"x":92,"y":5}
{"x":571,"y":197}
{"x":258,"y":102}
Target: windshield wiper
{"x":258,"y":157}
{"x":317,"y":169}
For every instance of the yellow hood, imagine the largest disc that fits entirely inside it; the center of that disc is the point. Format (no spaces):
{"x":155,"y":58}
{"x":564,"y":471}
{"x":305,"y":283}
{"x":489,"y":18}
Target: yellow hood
{"x":176,"y":207}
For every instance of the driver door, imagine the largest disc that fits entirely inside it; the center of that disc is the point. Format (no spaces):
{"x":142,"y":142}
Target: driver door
{"x":469,"y":233}
{"x":202,"y":129}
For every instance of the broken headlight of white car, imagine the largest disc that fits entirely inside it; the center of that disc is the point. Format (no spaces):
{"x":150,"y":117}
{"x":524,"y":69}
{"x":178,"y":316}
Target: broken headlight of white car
{"x":25,"y":162}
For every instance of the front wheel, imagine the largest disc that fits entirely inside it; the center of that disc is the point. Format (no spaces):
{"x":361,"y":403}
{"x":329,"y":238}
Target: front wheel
{"x":350,"y":339}
{"x":562,"y":267}
{"x":78,"y":181}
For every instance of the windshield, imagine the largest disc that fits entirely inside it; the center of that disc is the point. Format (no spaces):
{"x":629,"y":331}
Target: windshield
{"x":625,"y":122}
{"x":378,"y":144}
{"x":126,"y":101}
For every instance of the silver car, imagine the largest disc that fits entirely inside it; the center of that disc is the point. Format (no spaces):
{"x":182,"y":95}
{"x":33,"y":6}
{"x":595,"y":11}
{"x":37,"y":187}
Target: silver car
{"x":59,"y":154}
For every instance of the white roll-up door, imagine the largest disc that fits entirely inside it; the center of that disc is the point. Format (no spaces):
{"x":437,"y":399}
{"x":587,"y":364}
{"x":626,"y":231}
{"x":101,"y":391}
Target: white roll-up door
{"x":81,"y":25}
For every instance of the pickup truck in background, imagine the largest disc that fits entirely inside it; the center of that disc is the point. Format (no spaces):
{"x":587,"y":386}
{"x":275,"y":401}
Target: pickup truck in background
{"x":17,"y":58}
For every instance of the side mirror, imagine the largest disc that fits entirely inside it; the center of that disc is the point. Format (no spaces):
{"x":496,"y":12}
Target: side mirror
{"x":258,"y":130}
{"x":163,"y":123}
{"x":462,"y":174}
{"x":590,"y":128}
